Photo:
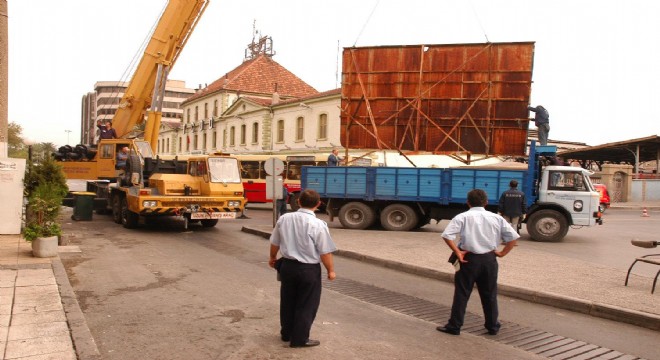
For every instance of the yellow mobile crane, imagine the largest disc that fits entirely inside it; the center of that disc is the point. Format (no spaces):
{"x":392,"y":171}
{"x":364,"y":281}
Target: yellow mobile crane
{"x":203,"y":188}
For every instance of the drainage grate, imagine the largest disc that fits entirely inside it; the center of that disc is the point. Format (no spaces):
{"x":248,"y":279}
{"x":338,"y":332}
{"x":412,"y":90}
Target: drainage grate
{"x":535,"y":341}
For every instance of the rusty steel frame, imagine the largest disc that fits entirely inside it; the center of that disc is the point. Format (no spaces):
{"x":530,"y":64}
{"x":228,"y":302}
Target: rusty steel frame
{"x":412,"y":129}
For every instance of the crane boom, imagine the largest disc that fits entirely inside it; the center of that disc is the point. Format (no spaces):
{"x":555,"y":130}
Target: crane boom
{"x":146,"y":89}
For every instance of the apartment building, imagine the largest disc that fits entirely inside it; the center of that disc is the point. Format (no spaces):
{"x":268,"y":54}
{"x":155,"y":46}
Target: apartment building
{"x":104,"y":101}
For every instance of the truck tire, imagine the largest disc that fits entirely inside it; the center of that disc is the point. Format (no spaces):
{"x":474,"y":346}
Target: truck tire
{"x":547,"y":226}
{"x":133,"y":165}
{"x":398,"y":217}
{"x":293,"y":201}
{"x":128,"y":218}
{"x":116,"y":208}
{"x":356,"y":215}
{"x":209,"y":222}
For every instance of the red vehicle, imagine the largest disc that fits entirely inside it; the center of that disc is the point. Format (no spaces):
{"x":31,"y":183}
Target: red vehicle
{"x":604,"y":196}
{"x":254,"y":175}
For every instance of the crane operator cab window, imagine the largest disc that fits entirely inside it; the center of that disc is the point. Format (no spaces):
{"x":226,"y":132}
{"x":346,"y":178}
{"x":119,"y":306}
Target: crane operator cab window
{"x":224,"y":170}
{"x":107,"y":151}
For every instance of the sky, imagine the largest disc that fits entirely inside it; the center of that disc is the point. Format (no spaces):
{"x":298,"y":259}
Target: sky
{"x":595,"y":66}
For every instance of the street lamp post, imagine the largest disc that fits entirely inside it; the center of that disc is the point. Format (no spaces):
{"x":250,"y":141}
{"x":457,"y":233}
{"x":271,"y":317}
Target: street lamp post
{"x":68,"y":132}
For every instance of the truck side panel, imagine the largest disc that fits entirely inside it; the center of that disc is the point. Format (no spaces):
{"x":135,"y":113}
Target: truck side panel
{"x":441,"y":186}
{"x":494,"y":182}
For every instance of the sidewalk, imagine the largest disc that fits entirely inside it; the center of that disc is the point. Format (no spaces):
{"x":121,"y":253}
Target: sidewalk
{"x":39,"y":315}
{"x":526,"y":274}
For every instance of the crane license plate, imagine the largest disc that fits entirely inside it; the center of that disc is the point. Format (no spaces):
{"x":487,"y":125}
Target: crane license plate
{"x":213,"y":215}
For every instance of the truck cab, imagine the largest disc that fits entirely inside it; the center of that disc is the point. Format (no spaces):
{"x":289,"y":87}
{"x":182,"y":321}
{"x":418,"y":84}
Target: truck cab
{"x":566,"y":198}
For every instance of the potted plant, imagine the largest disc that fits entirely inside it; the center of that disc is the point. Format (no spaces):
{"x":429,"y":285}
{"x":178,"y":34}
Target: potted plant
{"x":45,"y":187}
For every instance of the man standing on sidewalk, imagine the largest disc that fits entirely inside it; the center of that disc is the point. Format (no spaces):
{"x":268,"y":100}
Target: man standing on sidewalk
{"x":481,"y":232}
{"x":512,"y":205}
{"x":304,"y":241}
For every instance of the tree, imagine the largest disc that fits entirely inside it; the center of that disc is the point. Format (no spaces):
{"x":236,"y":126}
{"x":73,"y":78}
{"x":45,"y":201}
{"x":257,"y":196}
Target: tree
{"x":42,"y":150}
{"x":16,"y":145}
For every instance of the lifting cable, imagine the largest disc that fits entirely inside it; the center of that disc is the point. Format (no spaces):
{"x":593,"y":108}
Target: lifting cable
{"x":366,"y":22}
{"x":128,"y":71}
{"x":474,"y":11}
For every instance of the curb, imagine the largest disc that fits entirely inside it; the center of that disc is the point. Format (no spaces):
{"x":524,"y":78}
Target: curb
{"x":83,"y":342}
{"x":610,"y":312}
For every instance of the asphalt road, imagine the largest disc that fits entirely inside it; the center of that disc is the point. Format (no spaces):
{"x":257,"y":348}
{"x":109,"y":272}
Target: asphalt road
{"x":163,"y":293}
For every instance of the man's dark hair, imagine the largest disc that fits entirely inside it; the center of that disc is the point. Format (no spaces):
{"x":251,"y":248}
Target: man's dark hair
{"x":309,"y":198}
{"x":477,"y":198}
{"x":513,"y":183}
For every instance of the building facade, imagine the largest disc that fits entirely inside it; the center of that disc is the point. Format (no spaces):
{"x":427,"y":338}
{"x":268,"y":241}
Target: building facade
{"x":104,"y":101}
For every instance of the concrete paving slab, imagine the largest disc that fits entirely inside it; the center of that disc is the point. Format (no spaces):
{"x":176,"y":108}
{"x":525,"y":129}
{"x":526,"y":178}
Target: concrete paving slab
{"x":31,"y":277}
{"x":37,"y":346}
{"x":5,"y":309}
{"x":65,"y":355}
{"x":36,"y":289}
{"x":4,"y":320}
{"x":38,"y":318}
{"x":6,"y":296}
{"x":29,"y":331}
{"x":7,"y":278}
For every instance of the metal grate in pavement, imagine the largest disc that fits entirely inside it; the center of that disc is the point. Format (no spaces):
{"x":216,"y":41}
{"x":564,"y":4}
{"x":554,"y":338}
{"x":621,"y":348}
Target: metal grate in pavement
{"x":532,"y":340}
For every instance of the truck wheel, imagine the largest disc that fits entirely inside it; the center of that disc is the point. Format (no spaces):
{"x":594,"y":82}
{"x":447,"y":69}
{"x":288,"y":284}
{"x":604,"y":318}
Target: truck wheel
{"x":133,"y":165}
{"x":209,"y":222}
{"x":547,"y":226}
{"x":116,"y":209}
{"x":398,"y":217}
{"x":128,"y":218}
{"x":356,"y":215}
{"x":293,"y":201}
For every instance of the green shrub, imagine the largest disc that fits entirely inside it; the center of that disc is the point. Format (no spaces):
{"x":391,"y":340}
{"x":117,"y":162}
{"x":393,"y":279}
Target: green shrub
{"x":45,"y":187}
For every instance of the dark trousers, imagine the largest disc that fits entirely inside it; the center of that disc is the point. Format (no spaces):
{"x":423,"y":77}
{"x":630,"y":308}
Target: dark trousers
{"x":300,"y":296}
{"x":482,"y":270}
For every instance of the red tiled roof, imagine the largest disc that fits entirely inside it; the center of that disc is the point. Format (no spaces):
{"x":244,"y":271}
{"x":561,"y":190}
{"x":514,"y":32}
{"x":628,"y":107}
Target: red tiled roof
{"x":259,"y":75}
{"x":259,"y":101}
{"x":311,"y":97}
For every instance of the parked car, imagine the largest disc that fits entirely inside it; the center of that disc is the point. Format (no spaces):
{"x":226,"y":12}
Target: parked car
{"x":604,"y":196}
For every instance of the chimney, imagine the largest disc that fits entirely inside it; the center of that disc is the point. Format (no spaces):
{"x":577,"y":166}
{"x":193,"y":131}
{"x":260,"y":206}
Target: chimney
{"x":276,"y":96}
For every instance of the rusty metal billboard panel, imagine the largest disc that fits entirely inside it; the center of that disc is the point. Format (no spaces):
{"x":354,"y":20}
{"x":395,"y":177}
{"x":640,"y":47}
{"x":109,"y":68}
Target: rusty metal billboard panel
{"x":444,"y":99}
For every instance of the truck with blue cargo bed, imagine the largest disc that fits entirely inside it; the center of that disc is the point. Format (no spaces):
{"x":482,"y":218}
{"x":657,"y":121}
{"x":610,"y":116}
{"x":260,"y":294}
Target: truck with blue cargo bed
{"x":405,"y":198}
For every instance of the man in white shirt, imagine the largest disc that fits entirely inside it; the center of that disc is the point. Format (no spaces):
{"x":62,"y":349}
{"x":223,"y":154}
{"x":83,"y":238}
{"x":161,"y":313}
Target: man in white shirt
{"x":305,"y":242}
{"x":481,"y":232}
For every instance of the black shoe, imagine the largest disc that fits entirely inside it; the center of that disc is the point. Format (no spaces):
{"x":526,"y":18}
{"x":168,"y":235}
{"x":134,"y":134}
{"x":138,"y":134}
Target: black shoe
{"x":445,"y":330}
{"x":309,"y":343}
{"x":493,"y":332}
{"x":285,"y":338}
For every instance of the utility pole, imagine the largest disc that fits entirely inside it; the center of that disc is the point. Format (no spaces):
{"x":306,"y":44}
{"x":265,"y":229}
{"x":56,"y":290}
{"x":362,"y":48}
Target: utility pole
{"x":68,"y":132}
{"x":4,"y":77}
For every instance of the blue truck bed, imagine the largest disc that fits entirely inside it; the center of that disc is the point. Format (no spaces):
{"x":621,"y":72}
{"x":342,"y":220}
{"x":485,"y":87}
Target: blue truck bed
{"x":441,"y":186}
